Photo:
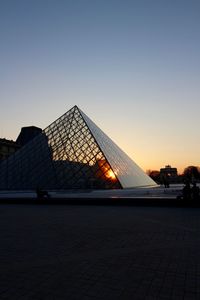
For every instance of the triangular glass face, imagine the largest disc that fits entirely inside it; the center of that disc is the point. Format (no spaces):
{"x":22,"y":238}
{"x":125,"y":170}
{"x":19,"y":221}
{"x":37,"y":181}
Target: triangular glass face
{"x":126,"y":170}
{"x":64,"y":156}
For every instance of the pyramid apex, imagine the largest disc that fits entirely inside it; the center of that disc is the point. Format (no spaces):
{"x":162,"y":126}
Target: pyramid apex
{"x":76,"y":107}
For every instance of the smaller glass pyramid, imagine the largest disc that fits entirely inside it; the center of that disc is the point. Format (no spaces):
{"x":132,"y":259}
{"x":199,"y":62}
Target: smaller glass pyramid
{"x":71,"y":153}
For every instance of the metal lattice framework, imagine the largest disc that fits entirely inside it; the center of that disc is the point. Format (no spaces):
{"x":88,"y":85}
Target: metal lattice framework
{"x":71,"y":153}
{"x":78,"y":160}
{"x":64,"y":156}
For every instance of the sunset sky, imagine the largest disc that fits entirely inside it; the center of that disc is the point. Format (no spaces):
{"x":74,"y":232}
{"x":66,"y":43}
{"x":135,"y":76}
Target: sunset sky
{"x":133,"y":66}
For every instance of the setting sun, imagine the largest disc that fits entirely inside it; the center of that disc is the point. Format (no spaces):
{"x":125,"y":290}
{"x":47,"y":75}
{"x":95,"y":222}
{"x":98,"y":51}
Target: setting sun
{"x":110,"y":174}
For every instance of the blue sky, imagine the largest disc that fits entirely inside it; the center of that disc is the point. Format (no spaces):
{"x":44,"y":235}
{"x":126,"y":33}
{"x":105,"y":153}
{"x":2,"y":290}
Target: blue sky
{"x":132,"y":66}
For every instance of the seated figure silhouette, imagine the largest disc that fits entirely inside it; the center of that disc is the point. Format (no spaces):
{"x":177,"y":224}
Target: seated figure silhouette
{"x":186,"y":192}
{"x":41,"y":194}
{"x":195,"y":192}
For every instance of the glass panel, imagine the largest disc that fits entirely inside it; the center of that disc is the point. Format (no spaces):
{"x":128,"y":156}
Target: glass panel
{"x":126,"y":170}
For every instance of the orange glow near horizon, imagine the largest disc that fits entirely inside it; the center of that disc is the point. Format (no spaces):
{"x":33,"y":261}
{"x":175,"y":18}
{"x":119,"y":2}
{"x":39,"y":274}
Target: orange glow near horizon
{"x":110,"y":174}
{"x":107,"y":171}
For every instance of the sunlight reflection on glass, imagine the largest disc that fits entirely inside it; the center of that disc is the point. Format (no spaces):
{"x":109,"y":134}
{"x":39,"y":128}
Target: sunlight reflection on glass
{"x":110,"y":174}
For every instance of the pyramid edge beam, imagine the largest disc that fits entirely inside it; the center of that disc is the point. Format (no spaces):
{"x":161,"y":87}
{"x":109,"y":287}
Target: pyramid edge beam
{"x":152,"y":183}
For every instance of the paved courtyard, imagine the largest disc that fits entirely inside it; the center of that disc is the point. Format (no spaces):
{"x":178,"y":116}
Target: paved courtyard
{"x":99,"y":252}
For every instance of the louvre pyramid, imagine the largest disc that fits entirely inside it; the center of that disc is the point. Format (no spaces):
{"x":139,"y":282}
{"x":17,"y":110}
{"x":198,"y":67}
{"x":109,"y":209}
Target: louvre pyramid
{"x":71,"y":153}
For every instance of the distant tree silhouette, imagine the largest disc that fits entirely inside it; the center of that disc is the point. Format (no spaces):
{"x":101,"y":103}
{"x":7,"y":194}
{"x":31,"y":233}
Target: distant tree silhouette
{"x":191,"y":173}
{"x":154,"y":174}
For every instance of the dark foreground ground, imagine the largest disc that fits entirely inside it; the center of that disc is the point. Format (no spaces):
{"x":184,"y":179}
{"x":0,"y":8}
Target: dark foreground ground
{"x":99,"y":252}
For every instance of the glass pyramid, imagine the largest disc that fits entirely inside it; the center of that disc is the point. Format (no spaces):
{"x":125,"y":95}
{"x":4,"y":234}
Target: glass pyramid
{"x":71,"y":153}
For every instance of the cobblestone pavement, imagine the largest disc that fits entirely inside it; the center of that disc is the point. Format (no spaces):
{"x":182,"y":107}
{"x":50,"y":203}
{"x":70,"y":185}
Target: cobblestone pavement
{"x":99,"y":252}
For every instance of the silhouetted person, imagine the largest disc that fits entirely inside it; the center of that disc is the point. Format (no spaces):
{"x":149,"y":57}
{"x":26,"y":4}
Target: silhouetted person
{"x":195,"y":192}
{"x":165,"y":180}
{"x":186,"y":191}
